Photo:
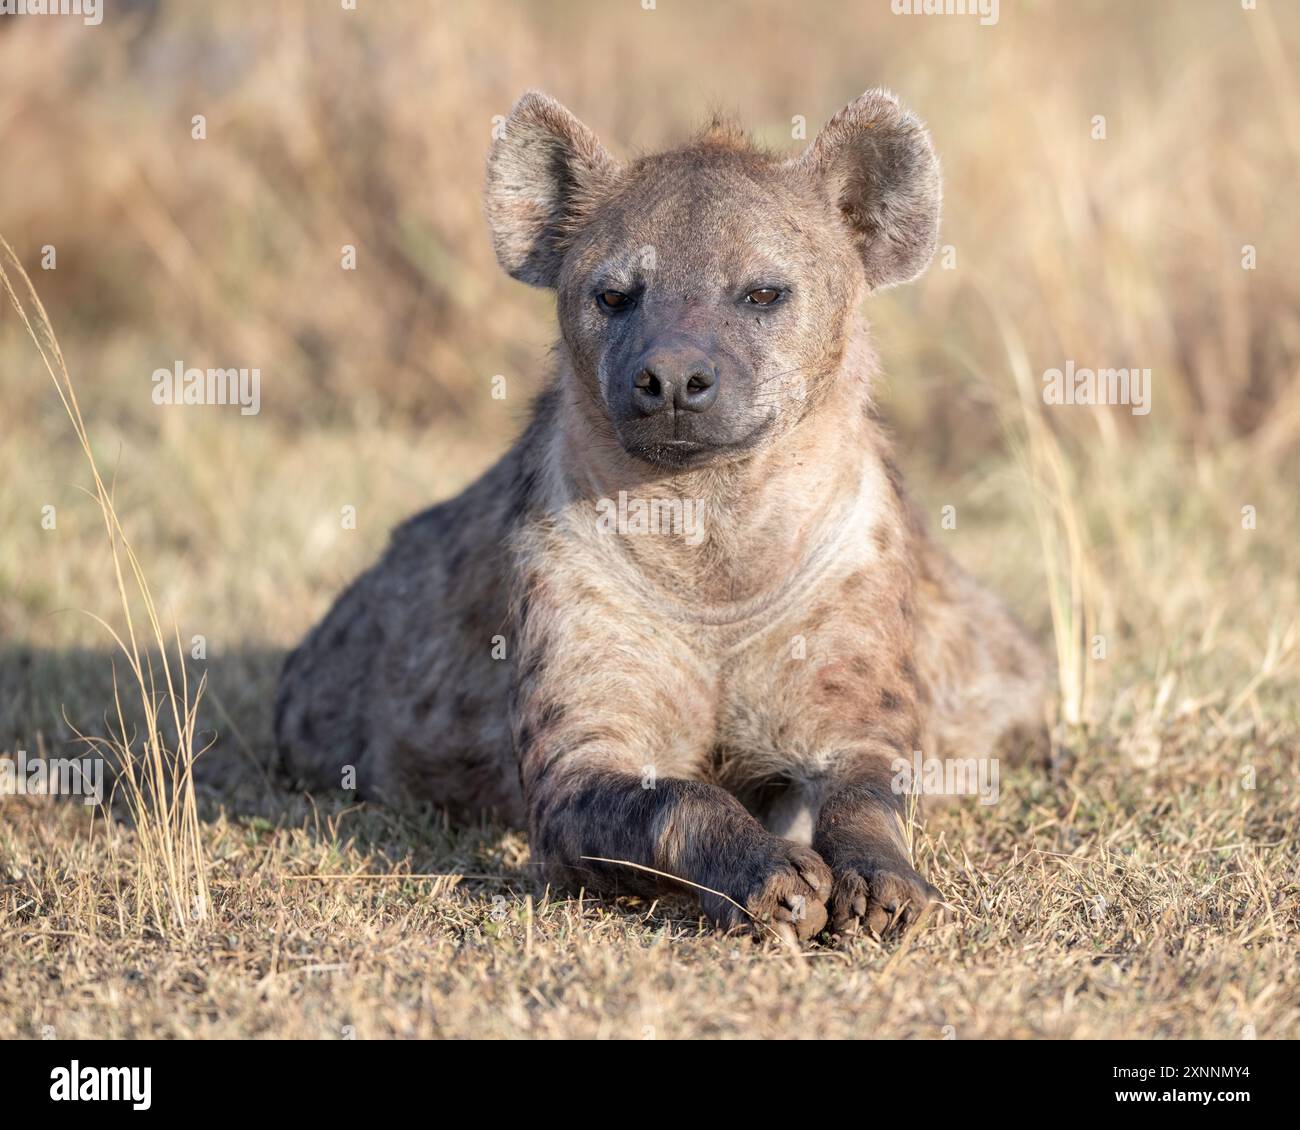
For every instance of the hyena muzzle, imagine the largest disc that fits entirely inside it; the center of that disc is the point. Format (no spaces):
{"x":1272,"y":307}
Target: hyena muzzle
{"x":690,"y":621}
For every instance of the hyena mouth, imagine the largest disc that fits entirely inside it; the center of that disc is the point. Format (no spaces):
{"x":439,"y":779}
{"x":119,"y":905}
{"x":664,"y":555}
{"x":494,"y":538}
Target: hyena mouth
{"x":679,"y":452}
{"x":675,"y":452}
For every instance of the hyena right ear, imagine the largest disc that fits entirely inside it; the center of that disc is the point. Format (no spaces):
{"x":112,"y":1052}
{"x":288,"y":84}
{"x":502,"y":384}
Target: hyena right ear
{"x":545,"y":171}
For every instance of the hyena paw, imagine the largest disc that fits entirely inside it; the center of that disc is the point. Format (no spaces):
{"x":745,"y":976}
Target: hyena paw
{"x":783,"y":891}
{"x":877,"y":897}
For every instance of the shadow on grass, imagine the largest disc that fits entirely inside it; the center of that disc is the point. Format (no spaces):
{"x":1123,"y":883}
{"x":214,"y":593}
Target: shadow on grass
{"x":49,"y":696}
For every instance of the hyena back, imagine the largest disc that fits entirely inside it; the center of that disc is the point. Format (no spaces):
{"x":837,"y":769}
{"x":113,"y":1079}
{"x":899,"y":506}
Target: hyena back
{"x":726,"y":703}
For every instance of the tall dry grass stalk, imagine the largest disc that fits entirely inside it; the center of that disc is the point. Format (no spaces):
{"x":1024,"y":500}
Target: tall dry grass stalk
{"x":1062,"y":532}
{"x":155,"y":782}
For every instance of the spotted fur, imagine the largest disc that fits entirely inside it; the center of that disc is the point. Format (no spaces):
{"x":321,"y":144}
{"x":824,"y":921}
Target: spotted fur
{"x":725,"y":709}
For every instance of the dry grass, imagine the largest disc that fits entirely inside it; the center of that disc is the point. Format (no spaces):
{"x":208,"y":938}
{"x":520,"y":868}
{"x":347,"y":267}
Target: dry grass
{"x":1148,"y":888}
{"x":1152,"y":904}
{"x":154,"y":783}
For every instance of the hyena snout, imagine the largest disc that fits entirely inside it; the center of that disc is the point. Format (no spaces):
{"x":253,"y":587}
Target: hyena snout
{"x":674,"y":377}
{"x":681,"y":400}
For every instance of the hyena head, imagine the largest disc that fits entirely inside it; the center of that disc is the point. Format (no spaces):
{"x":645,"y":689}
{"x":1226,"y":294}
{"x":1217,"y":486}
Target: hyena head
{"x":705,"y":294}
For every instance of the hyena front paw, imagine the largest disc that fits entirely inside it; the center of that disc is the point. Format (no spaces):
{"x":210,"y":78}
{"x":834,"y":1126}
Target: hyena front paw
{"x":877,"y":897}
{"x":783,"y":888}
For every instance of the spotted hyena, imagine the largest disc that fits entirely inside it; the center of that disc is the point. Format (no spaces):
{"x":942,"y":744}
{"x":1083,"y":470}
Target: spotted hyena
{"x":690,"y":620}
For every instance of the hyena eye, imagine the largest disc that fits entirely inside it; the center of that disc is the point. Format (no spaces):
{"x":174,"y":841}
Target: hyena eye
{"x":763,"y":296}
{"x":613,"y":300}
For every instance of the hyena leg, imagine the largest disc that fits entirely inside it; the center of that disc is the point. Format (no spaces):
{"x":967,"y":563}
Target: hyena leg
{"x":687,"y":829}
{"x":612,"y":760}
{"x":860,"y":835}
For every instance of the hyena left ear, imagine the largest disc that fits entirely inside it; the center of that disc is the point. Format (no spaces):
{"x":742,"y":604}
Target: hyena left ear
{"x":545,"y":170}
{"x":878,"y":165}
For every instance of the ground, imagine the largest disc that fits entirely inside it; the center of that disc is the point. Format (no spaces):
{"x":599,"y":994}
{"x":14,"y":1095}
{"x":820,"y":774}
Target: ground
{"x":1084,"y":908}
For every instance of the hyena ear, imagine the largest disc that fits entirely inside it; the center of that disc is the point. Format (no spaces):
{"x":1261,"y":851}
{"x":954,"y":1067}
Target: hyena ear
{"x":545,"y":172}
{"x":878,"y":165}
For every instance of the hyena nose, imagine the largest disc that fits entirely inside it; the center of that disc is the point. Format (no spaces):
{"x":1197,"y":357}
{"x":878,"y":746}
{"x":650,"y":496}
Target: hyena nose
{"x":683,"y":381}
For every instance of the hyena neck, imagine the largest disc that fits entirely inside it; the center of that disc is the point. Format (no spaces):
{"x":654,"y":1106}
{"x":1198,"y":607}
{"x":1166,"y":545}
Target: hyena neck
{"x":739,"y":532}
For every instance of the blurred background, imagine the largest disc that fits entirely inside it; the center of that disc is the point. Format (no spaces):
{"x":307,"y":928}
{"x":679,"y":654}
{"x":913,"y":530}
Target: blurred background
{"x":1106,"y":167}
{"x":1119,"y":193}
